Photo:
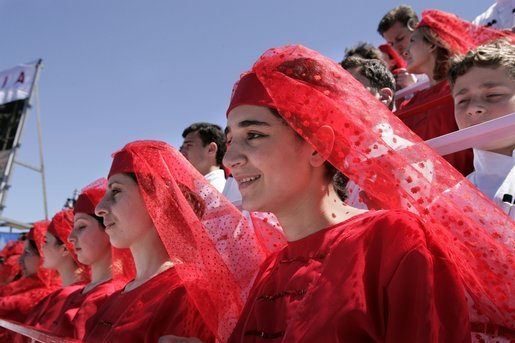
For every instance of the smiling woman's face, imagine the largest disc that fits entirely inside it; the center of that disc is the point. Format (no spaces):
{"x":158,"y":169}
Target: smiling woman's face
{"x":267,"y":158}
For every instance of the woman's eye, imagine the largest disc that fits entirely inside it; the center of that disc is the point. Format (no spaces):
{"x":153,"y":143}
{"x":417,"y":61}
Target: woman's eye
{"x":494,"y":96}
{"x":253,"y":135}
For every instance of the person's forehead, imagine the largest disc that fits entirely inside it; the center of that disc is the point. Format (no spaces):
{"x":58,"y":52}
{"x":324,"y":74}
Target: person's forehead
{"x":397,"y":28}
{"x":480,"y":78}
{"x":192,"y":137}
{"x":249,"y":115}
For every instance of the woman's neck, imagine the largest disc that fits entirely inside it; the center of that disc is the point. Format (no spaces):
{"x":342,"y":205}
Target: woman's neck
{"x":100,"y":272}
{"x":150,"y":259}
{"x":316,"y":211}
{"x":68,"y":271}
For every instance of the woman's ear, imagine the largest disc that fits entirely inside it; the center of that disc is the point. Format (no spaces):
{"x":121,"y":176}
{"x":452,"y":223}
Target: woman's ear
{"x":65,"y":251}
{"x":323,"y":139}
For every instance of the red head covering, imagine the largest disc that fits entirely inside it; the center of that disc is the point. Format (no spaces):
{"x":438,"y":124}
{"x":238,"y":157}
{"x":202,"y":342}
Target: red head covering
{"x":60,"y":227}
{"x":12,"y":248}
{"x":380,"y":154}
{"x":122,"y":262}
{"x":10,"y":268}
{"x":215,"y":251}
{"x":459,"y":35}
{"x":90,"y":196}
{"x":399,"y":62}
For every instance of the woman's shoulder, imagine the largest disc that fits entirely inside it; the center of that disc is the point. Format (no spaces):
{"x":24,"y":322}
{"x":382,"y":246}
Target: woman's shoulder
{"x":387,"y":230}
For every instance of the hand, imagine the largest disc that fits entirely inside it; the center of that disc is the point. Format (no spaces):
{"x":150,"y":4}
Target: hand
{"x":177,"y":339}
{"x":403,"y":79}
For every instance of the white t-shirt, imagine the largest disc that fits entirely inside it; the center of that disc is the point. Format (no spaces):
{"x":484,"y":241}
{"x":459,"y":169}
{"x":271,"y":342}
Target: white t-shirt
{"x":498,"y":16}
{"x":217,"y":179}
{"x":494,"y":176}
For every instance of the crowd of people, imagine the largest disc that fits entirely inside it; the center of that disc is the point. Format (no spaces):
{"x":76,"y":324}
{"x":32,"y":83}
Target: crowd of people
{"x":317,"y":215}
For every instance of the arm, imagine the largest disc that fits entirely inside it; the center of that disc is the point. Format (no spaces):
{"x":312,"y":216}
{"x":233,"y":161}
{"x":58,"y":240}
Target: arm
{"x":425,"y":301}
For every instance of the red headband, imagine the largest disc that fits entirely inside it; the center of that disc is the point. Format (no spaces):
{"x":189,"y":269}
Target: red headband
{"x":61,"y":225}
{"x":88,"y":200}
{"x":250,"y":91}
{"x":122,"y":163}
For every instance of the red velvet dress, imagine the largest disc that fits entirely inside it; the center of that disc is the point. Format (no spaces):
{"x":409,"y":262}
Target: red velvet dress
{"x":372,"y":278}
{"x":49,"y":309}
{"x":430,"y":113}
{"x":79,"y":307}
{"x":20,"y":297}
{"x":158,"y":307}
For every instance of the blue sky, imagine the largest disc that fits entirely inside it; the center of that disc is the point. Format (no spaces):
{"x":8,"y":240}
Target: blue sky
{"x":117,"y":71}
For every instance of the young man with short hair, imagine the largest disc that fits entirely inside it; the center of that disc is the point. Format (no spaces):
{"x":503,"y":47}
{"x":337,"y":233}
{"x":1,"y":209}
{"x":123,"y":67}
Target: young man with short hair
{"x":483,"y":87}
{"x":396,"y":28}
{"x":204,"y":147}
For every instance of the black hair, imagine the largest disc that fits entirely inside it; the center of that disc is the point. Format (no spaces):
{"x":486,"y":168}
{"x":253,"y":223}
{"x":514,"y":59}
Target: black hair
{"x":209,"y":133}
{"x":376,"y":72}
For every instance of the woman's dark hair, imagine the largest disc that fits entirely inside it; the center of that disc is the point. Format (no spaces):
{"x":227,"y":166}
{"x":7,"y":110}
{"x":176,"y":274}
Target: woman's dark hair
{"x":33,"y":246}
{"x":100,"y":220}
{"x":132,"y":176}
{"x":443,"y":53}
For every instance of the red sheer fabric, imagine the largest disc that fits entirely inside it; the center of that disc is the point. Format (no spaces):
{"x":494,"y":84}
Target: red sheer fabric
{"x":430,"y":113}
{"x":355,"y":282}
{"x":156,"y":308}
{"x":376,"y":151}
{"x":460,"y":35}
{"x":215,"y":251}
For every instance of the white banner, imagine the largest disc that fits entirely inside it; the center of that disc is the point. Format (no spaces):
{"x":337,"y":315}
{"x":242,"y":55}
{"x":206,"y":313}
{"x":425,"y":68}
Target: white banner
{"x":16,"y":83}
{"x":481,"y":136}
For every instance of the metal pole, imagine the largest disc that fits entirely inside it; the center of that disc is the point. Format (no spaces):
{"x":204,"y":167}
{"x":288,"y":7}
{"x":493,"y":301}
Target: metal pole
{"x":40,"y":139}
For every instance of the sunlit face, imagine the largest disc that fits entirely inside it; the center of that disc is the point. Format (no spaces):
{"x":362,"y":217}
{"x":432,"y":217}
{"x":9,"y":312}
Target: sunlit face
{"x":398,"y":36}
{"x":125,"y":216}
{"x":419,"y":55}
{"x":29,"y":260}
{"x":196,"y":153}
{"x":89,"y":239}
{"x":484,"y":94}
{"x":53,"y":252}
{"x":267,"y":159}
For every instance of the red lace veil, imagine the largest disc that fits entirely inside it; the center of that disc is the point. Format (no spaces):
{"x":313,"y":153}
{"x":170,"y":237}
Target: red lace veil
{"x":215,"y":251}
{"x":380,"y":154}
{"x":460,"y":35}
{"x":122,"y":263}
{"x":60,"y":226}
